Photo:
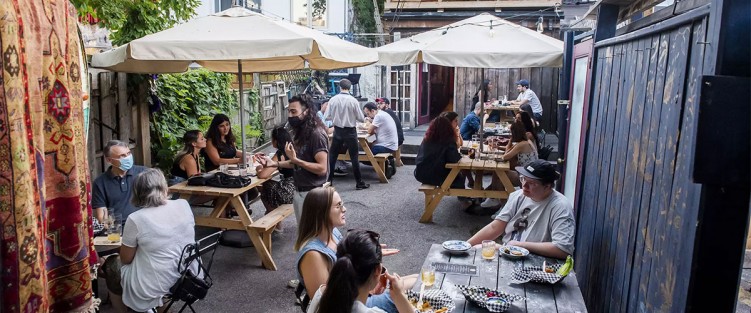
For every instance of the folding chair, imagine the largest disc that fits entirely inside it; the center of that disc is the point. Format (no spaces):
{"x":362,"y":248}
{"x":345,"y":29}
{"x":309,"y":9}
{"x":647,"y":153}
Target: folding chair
{"x":194,"y":252}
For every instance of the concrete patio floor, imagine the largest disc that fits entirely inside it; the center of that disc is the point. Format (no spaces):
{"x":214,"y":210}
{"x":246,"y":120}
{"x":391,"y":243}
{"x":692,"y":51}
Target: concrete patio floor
{"x":242,"y":285}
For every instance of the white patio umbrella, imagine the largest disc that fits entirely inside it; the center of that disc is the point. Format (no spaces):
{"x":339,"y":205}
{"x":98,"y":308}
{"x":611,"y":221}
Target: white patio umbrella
{"x":236,"y":40}
{"x":481,"y":41}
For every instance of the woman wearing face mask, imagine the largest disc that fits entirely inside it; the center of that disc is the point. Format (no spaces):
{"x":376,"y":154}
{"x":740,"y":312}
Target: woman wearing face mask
{"x":220,"y":148}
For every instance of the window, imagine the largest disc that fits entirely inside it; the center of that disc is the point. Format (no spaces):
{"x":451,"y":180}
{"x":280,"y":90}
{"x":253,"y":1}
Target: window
{"x":319,"y":13}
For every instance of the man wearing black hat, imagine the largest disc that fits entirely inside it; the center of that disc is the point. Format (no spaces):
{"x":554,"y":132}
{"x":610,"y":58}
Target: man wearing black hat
{"x":536,"y":217}
{"x":528,"y":97}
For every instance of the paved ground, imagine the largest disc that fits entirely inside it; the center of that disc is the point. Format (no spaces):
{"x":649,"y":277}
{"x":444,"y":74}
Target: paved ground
{"x":242,"y":285}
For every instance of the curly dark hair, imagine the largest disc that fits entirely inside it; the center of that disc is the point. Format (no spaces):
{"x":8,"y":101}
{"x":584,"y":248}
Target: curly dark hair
{"x":213,"y":132}
{"x":311,"y":122}
{"x":440,"y":132}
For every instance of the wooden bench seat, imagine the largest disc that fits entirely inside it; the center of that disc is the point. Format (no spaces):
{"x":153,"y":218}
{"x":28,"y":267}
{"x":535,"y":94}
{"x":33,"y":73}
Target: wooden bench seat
{"x":266,"y":224}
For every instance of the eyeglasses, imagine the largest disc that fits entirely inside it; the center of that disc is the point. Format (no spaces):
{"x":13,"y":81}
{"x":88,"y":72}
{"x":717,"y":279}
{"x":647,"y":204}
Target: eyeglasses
{"x":530,"y":181}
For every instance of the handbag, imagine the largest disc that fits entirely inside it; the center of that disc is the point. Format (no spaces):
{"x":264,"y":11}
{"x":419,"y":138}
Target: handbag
{"x":199,"y":180}
{"x":191,"y":287}
{"x":222,"y":180}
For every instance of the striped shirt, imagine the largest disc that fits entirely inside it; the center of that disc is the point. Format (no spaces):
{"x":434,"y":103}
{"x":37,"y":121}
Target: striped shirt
{"x":344,"y":111}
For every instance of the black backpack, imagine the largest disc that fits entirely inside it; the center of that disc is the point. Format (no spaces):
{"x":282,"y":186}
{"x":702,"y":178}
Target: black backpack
{"x":223,"y":180}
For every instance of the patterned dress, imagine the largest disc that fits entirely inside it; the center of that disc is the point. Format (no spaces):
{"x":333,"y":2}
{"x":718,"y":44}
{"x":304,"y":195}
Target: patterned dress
{"x":276,"y":193}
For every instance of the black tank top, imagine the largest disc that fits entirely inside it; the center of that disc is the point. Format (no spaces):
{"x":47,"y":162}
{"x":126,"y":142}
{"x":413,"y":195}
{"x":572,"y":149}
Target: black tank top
{"x":178,"y":172}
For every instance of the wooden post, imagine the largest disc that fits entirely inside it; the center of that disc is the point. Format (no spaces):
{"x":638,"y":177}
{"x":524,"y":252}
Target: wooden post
{"x":142,"y":151}
{"x":607,"y":19}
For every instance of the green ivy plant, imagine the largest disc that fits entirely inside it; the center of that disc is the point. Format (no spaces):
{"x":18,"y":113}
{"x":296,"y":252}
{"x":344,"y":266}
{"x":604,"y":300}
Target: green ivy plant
{"x":190,"y":101}
{"x":363,"y":21}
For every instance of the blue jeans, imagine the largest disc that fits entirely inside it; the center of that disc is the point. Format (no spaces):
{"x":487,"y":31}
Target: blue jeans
{"x":538,"y":117}
{"x":380,"y":149}
{"x":382,"y":301}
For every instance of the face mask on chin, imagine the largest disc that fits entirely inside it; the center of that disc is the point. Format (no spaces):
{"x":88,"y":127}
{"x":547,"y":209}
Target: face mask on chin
{"x":126,"y":163}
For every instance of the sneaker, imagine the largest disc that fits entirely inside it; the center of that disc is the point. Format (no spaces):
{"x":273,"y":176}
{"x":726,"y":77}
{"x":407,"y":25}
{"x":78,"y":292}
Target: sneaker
{"x":490,"y":202}
{"x":340,"y":173}
{"x":390,"y":168}
{"x":293,"y":283}
{"x":362,"y":185}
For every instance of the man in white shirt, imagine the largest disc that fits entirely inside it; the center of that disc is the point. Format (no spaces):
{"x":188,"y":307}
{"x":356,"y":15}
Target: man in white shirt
{"x":344,"y":113}
{"x":387,"y":138}
{"x":527,"y":96}
{"x":537,"y":217}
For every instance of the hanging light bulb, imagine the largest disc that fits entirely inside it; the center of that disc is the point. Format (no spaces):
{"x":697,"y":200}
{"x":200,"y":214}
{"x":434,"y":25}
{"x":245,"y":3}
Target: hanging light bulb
{"x":492,"y":32}
{"x":539,"y":25}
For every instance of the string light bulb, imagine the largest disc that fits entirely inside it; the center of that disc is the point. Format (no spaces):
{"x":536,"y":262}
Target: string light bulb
{"x":492,"y":32}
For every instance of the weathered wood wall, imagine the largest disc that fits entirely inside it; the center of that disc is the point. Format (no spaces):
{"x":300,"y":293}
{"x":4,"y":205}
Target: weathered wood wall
{"x":637,"y":218}
{"x":543,"y":81}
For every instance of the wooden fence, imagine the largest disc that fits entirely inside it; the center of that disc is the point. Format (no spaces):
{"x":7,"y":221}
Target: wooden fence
{"x":543,"y":81}
{"x":637,"y":216}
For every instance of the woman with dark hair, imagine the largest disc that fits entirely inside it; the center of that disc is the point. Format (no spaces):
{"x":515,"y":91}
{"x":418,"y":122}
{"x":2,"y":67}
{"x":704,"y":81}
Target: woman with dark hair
{"x":529,"y":126}
{"x":186,"y":162}
{"x":454,"y":118}
{"x":436,"y":150}
{"x":357,"y":270}
{"x":317,"y":239}
{"x":275,"y":193}
{"x":220,"y":148}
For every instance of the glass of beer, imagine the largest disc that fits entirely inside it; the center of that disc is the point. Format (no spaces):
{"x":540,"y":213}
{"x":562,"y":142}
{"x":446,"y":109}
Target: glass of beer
{"x":488,"y":249}
{"x":113,"y":235}
{"x":427,"y":275}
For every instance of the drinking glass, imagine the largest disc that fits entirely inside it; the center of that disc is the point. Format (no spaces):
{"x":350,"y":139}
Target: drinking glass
{"x":113,"y":232}
{"x":427,"y":275}
{"x":488,"y":249}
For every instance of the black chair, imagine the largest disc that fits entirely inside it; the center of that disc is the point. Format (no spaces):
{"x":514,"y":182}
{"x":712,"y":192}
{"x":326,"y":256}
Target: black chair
{"x":189,"y":292}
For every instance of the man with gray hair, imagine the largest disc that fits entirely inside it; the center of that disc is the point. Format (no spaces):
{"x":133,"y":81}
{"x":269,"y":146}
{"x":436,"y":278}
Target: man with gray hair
{"x":344,"y":112}
{"x":113,"y":189}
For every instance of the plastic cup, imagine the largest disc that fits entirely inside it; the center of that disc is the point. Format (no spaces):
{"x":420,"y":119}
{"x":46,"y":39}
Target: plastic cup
{"x":488,"y":249}
{"x":427,"y":275}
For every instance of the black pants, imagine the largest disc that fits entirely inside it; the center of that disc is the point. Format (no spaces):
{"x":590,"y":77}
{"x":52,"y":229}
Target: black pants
{"x":346,"y":136}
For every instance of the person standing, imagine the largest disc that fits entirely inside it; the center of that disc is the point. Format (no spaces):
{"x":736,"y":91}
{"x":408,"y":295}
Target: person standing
{"x":527,"y":96}
{"x":344,"y":112}
{"x":308,"y":152}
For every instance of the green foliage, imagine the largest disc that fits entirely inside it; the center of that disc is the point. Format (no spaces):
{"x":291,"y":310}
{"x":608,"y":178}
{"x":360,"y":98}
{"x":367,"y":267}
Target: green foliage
{"x":364,"y":22}
{"x":133,"y":19}
{"x":189,"y":101}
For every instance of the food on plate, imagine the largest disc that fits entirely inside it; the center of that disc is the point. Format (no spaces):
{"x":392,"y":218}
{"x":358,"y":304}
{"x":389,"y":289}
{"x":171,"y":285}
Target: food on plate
{"x":549,"y":269}
{"x":441,"y":310}
{"x":516,"y":252}
{"x":426,"y":307}
{"x":506,"y":250}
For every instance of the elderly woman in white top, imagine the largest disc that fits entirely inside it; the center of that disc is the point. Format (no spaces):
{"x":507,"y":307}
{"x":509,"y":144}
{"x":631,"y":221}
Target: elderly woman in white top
{"x":153,"y":239}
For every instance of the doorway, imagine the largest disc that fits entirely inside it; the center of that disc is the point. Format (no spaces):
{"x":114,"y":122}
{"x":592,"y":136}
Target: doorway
{"x":436,"y":91}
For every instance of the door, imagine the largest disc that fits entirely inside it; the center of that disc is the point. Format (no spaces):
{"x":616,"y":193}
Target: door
{"x":400,"y":81}
{"x":423,"y":110}
{"x":577,"y":111}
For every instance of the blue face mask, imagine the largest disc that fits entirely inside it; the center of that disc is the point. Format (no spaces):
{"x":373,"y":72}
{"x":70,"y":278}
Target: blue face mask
{"x":126,"y":162}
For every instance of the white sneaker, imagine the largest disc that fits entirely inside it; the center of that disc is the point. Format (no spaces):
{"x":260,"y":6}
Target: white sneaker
{"x":490,"y":202}
{"x":293,"y":283}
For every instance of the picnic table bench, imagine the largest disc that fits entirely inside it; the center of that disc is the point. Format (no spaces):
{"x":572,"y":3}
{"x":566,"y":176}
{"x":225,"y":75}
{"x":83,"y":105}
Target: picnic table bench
{"x":434,"y":194}
{"x":563,"y":297}
{"x":259,"y":231}
{"x":378,"y":161}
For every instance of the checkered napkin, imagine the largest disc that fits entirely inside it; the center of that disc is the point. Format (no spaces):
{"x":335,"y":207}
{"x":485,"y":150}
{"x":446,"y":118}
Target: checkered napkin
{"x":437,"y":298}
{"x":536,"y":274}
{"x":479,"y":296}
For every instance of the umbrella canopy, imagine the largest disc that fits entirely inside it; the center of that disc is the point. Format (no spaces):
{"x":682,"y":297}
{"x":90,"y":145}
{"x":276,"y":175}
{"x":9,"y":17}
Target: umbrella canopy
{"x":217,"y":42}
{"x":482,"y":41}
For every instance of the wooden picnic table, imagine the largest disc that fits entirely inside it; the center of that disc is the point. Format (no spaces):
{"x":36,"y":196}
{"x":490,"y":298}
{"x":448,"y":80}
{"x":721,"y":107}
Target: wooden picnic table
{"x":226,"y":199}
{"x":563,"y":297}
{"x":503,"y":108}
{"x":378,"y":163}
{"x":434,"y":194}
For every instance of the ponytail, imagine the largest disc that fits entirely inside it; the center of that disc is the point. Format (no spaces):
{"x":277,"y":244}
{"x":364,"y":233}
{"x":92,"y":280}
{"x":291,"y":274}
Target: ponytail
{"x":341,"y":289}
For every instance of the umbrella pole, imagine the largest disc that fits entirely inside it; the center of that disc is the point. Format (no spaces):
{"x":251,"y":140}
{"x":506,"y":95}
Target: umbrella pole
{"x":242,"y":112}
{"x":482,"y":112}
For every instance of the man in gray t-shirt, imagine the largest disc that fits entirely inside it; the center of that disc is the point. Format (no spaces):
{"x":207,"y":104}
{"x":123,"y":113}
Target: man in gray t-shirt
{"x":537,"y":217}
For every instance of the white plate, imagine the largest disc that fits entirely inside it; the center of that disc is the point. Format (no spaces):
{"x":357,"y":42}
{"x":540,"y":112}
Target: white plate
{"x":502,"y":251}
{"x":456,"y":246}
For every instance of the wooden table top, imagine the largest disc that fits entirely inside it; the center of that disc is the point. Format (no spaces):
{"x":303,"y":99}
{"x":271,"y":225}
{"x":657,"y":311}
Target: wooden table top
{"x":183,"y":188}
{"x":478,"y":164}
{"x":564,"y":296}
{"x":512,"y":107}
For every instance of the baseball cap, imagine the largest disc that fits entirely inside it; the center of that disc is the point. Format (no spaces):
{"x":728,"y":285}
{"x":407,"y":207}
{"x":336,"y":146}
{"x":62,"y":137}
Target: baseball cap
{"x":523,"y":82}
{"x":540,"y":170}
{"x":384,"y":100}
